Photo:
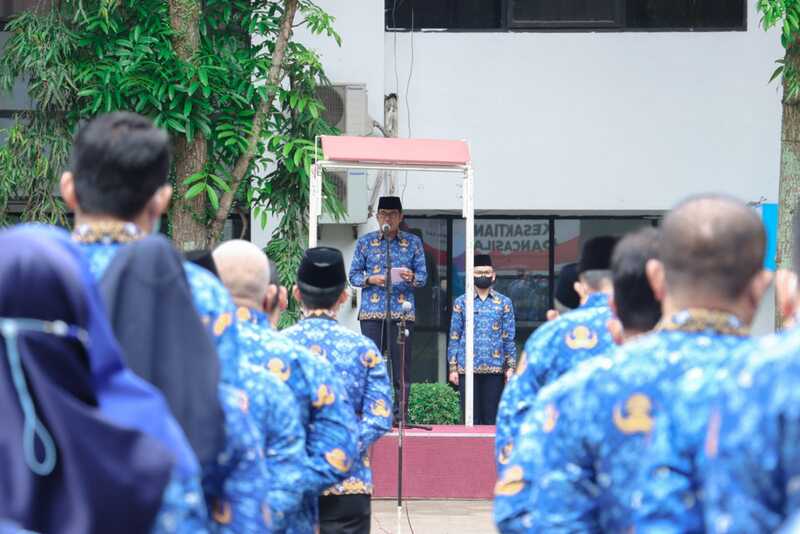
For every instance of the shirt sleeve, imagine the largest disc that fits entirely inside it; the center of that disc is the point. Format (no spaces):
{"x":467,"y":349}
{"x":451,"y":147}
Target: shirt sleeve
{"x":509,"y":333}
{"x":454,"y":345}
{"x":420,"y":269}
{"x":285,"y":453}
{"x":332,"y":434}
{"x":376,"y":417}
{"x":358,"y":267}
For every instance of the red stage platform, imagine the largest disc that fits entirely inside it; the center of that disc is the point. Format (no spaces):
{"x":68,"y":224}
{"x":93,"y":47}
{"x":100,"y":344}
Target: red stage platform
{"x":449,"y":462}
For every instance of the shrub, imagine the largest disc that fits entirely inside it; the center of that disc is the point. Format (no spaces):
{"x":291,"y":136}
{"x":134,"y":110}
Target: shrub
{"x":433,"y":404}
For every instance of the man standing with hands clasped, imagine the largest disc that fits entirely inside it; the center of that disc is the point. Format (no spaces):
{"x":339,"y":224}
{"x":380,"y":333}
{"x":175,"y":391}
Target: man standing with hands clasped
{"x":368,"y":271}
{"x":494,"y":347}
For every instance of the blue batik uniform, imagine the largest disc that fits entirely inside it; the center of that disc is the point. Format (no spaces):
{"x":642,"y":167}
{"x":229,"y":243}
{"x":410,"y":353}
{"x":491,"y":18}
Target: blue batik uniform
{"x":493,"y":345}
{"x":370,"y":259}
{"x":272,"y":407}
{"x":329,"y":421}
{"x":579,"y":454}
{"x":216,"y":309}
{"x":752,"y":449}
{"x":552,"y":350}
{"x":362,"y":371}
{"x":236,"y":487}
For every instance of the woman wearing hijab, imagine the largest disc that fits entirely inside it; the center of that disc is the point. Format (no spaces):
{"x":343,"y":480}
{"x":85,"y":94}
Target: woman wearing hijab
{"x":87,"y":447}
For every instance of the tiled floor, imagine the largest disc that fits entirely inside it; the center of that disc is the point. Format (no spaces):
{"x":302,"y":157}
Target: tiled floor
{"x":433,"y":517}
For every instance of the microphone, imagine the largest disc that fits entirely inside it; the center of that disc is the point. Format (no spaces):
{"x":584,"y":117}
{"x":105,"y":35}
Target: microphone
{"x":385,"y":228}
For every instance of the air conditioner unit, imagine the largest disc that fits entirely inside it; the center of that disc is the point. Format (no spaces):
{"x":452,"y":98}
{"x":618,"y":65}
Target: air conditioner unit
{"x":346,"y":107}
{"x":351,"y":190}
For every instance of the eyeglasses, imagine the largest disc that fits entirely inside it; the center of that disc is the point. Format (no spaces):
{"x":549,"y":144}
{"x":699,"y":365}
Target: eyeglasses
{"x":9,"y":329}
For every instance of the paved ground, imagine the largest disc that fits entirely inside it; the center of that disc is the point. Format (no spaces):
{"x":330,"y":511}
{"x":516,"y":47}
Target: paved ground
{"x":434,"y":517}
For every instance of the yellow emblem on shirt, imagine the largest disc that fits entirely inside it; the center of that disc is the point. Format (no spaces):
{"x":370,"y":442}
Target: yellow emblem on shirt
{"x":496,"y":327}
{"x":375,"y":243}
{"x":376,"y":269}
{"x":222,"y":323}
{"x":379,"y":409}
{"x":455,"y":336}
{"x":582,"y":338}
{"x":506,"y":308}
{"x":319,"y":351}
{"x":511,"y":483}
{"x":404,"y":243}
{"x":496,"y":300}
{"x":279,"y":369}
{"x":638,"y":419}
{"x":550,"y":418}
{"x":505,"y":454}
{"x":325,"y":397}
{"x":496,"y":354}
{"x":338,"y":459}
{"x":371,"y":359}
{"x":222,"y":512}
{"x":243,"y":314}
{"x":523,"y":363}
{"x":457,"y":308}
{"x":375,"y":298}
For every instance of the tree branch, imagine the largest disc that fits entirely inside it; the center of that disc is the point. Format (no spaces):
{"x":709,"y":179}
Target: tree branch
{"x":273,"y":80}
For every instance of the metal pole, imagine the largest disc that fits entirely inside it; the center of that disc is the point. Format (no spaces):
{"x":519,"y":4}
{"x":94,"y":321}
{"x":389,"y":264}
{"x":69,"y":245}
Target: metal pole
{"x":469,"y":215}
{"x":314,"y":205}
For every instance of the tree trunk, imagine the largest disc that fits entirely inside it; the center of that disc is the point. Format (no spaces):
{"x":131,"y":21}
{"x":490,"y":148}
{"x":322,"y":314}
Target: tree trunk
{"x":789,"y":187}
{"x":189,"y":230}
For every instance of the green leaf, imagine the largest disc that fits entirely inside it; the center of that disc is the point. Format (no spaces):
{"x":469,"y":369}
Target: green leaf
{"x":220,"y":182}
{"x":195,"y":190}
{"x":194,"y":178}
{"x":203,"y":75}
{"x":775,"y":74}
{"x":212,"y":197}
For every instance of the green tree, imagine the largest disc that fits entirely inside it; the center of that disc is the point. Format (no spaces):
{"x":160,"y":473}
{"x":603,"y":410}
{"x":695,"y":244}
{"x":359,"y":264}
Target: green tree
{"x":786,"y":15}
{"x":224,"y":77}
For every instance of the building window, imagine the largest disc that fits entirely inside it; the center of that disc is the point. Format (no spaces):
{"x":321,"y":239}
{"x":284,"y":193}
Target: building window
{"x":613,"y":15}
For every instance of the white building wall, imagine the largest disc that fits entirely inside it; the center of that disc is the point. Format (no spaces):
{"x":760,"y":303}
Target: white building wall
{"x":569,"y":122}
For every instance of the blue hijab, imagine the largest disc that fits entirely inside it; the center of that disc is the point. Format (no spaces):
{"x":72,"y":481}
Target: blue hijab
{"x":123,"y":397}
{"x":67,"y":466}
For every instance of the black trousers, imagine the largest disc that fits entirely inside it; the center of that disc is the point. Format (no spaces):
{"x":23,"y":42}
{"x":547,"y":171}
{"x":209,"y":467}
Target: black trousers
{"x":486,"y":392}
{"x":344,"y":514}
{"x":373,"y":330}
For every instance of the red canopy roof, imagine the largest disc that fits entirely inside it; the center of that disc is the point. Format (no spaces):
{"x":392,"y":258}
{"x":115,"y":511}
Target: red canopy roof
{"x":395,"y":151}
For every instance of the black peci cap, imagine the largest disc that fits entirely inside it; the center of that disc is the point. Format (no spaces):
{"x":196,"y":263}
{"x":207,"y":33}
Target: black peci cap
{"x":390,"y":203}
{"x":596,"y":254}
{"x":483,"y":260}
{"x":321,"y":271}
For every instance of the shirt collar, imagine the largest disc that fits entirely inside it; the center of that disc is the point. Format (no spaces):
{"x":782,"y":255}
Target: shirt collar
{"x":696,"y":320}
{"x":596,"y":300}
{"x":492,"y":295}
{"x":107,"y":232}
{"x":325,"y":315}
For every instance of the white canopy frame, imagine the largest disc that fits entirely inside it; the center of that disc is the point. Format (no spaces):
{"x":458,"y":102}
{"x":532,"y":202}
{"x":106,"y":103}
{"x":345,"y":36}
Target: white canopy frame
{"x":468,"y":213}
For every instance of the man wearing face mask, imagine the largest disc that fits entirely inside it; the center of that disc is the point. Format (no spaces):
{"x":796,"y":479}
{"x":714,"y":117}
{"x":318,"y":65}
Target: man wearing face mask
{"x":494,"y":350}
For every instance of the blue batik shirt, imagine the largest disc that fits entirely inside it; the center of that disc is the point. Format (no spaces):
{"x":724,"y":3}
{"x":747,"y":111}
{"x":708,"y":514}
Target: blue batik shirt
{"x":329,"y":421}
{"x":578,"y":462}
{"x":362,"y":371}
{"x":493,"y":345}
{"x":370,"y":259}
{"x":271,"y":405}
{"x":752,"y":449}
{"x":552,"y":350}
{"x":215,"y":307}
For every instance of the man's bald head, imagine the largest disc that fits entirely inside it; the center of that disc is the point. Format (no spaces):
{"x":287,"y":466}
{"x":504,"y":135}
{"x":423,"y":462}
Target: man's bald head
{"x":712,"y":245}
{"x":244,"y":269}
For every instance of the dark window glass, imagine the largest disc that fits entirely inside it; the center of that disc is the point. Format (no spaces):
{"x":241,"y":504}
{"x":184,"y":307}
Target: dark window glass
{"x":448,"y":14}
{"x":565,"y":13}
{"x":522,"y":14}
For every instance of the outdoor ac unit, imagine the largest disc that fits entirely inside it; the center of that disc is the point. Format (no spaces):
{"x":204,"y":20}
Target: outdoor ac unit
{"x":351,"y":189}
{"x":346,"y":107}
{"x":346,"y":110}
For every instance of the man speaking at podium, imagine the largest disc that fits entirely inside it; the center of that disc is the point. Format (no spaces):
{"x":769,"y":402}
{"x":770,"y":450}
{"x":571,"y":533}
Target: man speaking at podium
{"x":368,"y":271}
